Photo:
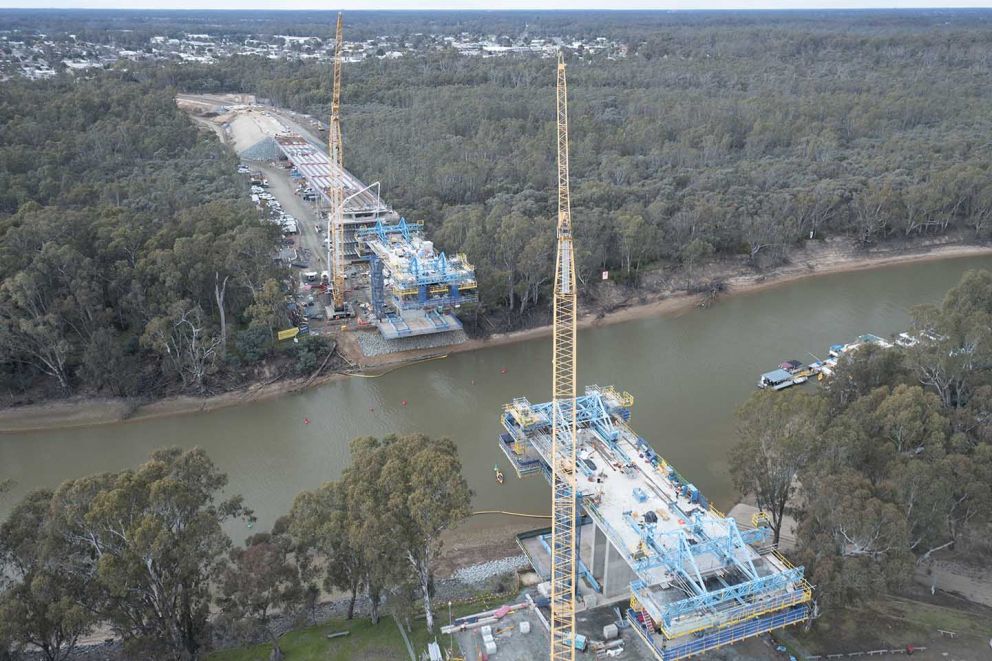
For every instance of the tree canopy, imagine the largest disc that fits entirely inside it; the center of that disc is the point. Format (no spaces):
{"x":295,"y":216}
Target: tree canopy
{"x":892,"y":461}
{"x":720,"y":134}
{"x":118,"y":218}
{"x":379,"y":527}
{"x":149,"y":542}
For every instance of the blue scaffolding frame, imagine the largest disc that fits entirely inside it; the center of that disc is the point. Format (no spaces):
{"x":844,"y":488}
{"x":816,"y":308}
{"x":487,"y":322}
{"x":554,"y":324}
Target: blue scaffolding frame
{"x":425,"y":270}
{"x":733,"y":602}
{"x":719,"y":637}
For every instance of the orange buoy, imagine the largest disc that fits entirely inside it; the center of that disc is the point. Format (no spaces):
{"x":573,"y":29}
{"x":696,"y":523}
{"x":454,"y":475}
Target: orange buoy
{"x":306,"y":421}
{"x":502,"y":370}
{"x":404,"y":402}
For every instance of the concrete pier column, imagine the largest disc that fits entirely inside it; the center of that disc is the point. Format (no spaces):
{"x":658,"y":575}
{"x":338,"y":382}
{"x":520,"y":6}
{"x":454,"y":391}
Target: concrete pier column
{"x":617,"y":574}
{"x":606,"y":570}
{"x":597,"y":561}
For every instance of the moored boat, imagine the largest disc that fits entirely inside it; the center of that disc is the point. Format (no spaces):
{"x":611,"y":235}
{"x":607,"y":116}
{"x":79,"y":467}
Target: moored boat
{"x":778,"y":379}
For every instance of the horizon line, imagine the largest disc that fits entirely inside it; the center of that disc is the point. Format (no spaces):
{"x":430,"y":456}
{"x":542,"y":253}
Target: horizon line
{"x":683,"y":6}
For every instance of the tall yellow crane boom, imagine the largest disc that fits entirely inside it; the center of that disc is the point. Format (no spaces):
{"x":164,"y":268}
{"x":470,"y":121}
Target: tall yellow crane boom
{"x":563,"y":427}
{"x":334,"y":137}
{"x":335,"y":151}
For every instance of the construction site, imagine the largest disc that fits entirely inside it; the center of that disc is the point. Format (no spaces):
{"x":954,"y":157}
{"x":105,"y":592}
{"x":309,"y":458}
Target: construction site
{"x":412,"y":290}
{"x":363,"y":269}
{"x":690,"y":578}
{"x":637,"y":562}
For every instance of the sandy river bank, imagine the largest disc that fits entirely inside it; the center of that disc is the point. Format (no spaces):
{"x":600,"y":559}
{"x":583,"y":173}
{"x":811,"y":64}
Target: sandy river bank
{"x":86,"y":411}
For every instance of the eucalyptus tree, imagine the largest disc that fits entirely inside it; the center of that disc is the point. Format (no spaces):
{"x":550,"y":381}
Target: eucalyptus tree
{"x":46,"y":605}
{"x":150,"y":541}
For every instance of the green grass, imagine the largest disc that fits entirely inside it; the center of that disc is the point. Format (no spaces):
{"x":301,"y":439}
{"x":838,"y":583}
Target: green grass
{"x":932,"y":617}
{"x":366,"y":641}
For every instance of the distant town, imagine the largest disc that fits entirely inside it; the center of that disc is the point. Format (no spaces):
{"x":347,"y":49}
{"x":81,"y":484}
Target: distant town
{"x":36,"y":55}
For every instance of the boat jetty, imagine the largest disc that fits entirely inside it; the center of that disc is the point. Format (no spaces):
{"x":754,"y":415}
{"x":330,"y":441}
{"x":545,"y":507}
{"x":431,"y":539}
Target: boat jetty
{"x":793,"y":372}
{"x":789,"y":373}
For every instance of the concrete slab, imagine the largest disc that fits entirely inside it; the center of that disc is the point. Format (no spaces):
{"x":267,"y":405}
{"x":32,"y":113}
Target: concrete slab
{"x":374,"y":344}
{"x":417,"y":322}
{"x":511,"y":644}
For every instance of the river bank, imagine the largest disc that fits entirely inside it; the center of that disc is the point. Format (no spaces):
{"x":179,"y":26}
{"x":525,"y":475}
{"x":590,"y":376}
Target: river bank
{"x":89,"y":411}
{"x":673,"y":301}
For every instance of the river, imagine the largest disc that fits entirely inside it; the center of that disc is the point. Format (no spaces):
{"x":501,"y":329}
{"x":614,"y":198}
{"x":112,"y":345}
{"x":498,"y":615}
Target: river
{"x":688,"y":373}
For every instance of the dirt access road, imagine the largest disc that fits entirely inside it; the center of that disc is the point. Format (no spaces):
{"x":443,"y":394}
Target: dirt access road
{"x":243,"y":126}
{"x":309,"y":242}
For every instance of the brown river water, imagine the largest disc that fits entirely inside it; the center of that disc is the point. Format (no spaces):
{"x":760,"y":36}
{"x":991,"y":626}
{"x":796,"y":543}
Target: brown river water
{"x":688,"y":373}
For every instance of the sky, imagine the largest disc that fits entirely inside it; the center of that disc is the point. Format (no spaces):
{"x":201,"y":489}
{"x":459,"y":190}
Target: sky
{"x":354,"y":5}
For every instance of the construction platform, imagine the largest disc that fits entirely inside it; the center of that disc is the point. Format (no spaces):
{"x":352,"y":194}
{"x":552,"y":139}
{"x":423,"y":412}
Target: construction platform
{"x":519,"y":632}
{"x":417,"y":322}
{"x":413,"y":288}
{"x":695,"y":580}
{"x":363,"y":206}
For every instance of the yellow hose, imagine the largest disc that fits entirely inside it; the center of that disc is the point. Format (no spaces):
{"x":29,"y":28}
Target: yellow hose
{"x":393,"y":369}
{"x":530,"y":516}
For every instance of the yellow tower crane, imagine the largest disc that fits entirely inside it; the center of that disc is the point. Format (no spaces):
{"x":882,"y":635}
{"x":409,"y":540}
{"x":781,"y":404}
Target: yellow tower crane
{"x":335,"y":244}
{"x":563,"y":561}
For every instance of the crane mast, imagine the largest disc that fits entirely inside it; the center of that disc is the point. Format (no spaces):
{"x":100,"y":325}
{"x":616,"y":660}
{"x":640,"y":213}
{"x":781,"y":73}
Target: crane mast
{"x":335,"y":243}
{"x":563,"y":429}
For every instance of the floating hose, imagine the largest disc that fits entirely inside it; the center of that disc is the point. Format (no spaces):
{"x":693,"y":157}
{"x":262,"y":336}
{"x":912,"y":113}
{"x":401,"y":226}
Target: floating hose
{"x":393,"y":369}
{"x":529,"y":516}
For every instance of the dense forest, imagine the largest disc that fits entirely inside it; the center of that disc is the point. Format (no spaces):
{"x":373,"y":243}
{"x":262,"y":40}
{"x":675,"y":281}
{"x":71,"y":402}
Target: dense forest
{"x":888,"y":464}
{"x":128,"y":251}
{"x":134,"y":28}
{"x":721,"y":135}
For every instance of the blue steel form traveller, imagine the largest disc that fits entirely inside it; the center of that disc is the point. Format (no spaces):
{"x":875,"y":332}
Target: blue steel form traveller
{"x":700,"y":580}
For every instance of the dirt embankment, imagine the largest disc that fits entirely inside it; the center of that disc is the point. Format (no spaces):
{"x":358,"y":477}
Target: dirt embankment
{"x":78,"y":412}
{"x":89,"y":411}
{"x":671,"y":300}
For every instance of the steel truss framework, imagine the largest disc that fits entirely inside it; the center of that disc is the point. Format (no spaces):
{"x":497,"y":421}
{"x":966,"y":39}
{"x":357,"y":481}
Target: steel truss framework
{"x":436,"y":280}
{"x":563,"y":424}
{"x":335,"y":152}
